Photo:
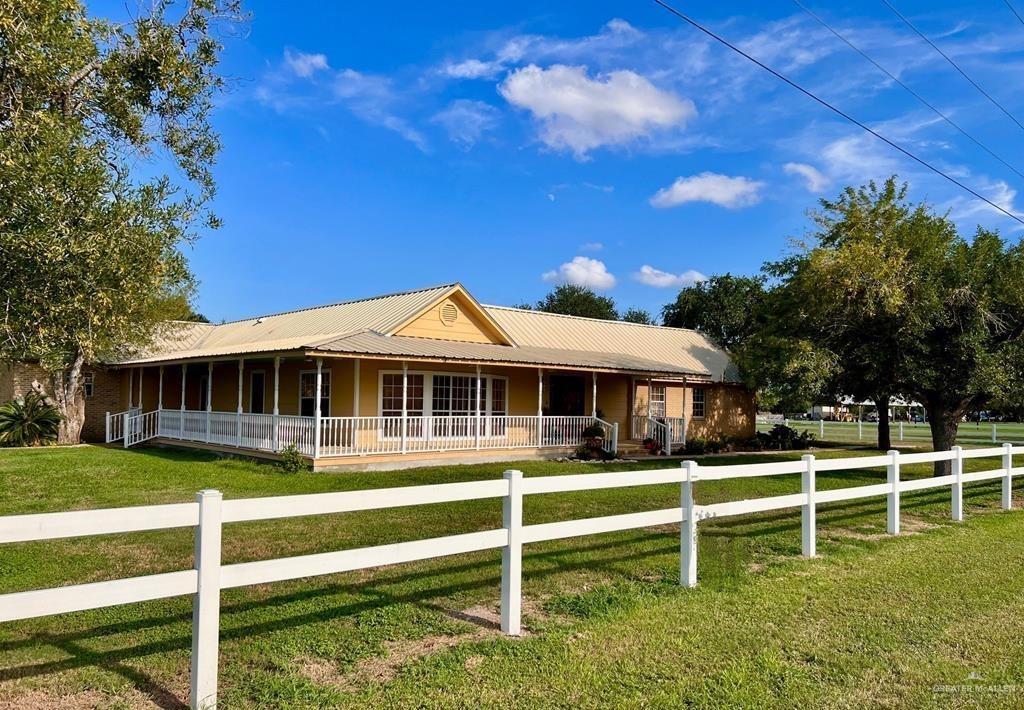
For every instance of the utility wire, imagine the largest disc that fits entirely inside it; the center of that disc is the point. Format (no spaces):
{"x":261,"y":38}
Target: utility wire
{"x":1014,"y":11}
{"x":848,"y":117}
{"x":911,"y":91}
{"x":956,"y":66}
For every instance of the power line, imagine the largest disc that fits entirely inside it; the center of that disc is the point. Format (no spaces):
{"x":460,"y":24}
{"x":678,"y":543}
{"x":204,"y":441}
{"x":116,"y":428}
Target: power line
{"x":832,"y":108}
{"x":956,"y":66}
{"x":911,"y":91}
{"x":1014,"y":11}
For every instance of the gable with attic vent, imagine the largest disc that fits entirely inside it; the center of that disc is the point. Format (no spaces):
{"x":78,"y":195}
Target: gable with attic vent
{"x":453,"y":318}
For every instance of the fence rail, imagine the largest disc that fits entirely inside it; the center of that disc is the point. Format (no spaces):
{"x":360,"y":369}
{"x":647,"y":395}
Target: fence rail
{"x":900,"y":431}
{"x":209,"y":513}
{"x":356,"y":436}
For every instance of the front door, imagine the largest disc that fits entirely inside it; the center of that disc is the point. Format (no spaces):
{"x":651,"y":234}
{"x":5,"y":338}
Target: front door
{"x":567,"y":392}
{"x":257,"y":391}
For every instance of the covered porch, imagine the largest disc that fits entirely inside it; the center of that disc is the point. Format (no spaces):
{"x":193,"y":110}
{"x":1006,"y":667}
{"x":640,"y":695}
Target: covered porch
{"x":370,"y":407}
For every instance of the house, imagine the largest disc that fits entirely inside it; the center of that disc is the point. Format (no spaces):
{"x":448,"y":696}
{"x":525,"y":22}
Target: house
{"x":416,"y":376}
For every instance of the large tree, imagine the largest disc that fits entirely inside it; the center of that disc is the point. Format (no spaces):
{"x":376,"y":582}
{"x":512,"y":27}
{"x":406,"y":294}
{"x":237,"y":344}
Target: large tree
{"x":92,"y":113}
{"x":906,"y":305}
{"x":728,"y":308}
{"x":571,"y":300}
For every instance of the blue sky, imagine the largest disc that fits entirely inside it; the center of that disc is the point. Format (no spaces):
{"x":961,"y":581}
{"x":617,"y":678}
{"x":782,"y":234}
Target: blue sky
{"x":373,"y":147}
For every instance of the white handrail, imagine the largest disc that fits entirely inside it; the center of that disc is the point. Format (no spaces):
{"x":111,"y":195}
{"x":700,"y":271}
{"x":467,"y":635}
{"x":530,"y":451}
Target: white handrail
{"x":208,"y":514}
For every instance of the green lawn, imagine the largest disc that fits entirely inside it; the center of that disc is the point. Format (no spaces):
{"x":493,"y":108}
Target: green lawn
{"x":914,"y":434}
{"x":932,"y":618}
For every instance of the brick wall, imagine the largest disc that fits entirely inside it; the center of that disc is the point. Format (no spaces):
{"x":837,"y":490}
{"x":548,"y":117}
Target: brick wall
{"x":18,"y":379}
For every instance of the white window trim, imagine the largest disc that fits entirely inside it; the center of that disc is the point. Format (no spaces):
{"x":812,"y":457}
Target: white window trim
{"x":664,"y":398}
{"x":428,"y":395}
{"x":298,"y":406}
{"x":693,"y":401}
{"x":88,"y":380}
{"x":253,"y":373}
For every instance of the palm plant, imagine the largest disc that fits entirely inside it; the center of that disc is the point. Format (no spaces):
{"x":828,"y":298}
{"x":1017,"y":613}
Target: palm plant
{"x":30,"y":421}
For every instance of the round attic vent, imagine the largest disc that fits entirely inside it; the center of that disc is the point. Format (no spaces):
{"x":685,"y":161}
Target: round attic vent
{"x":449,"y":314}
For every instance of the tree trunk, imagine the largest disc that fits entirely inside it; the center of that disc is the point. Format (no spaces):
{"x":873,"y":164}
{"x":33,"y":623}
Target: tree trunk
{"x":66,"y":386}
{"x":882,"y":405}
{"x":944,"y":425}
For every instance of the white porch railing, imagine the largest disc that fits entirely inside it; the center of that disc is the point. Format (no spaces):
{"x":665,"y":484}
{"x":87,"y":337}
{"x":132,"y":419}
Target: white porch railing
{"x":667,"y":431}
{"x":208,"y":514}
{"x":358,"y":436}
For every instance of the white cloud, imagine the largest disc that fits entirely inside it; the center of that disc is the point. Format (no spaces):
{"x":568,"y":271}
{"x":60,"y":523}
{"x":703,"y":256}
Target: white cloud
{"x":582,"y":271}
{"x":466,"y":121}
{"x":578,"y":113}
{"x":591,"y":246}
{"x":813,"y":178}
{"x":650,"y":276}
{"x":722,"y":190}
{"x":371,"y":98}
{"x":303,"y":64}
{"x":472,"y":69}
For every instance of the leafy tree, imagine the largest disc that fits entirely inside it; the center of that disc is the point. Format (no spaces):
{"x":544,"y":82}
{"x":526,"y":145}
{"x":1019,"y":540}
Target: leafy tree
{"x":571,"y":300}
{"x":728,"y":308}
{"x":90,"y":258}
{"x":904,"y":304}
{"x":638,"y":315}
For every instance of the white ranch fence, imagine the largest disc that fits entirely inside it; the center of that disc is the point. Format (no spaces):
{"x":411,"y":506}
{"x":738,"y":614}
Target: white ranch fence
{"x":209,"y":513}
{"x":355,"y":436}
{"x":902,"y":431}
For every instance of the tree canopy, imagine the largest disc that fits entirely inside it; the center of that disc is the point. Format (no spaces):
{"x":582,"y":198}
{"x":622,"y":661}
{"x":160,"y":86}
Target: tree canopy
{"x":90,"y":241}
{"x":637,"y":315}
{"x":728,"y":308}
{"x":572,"y":300}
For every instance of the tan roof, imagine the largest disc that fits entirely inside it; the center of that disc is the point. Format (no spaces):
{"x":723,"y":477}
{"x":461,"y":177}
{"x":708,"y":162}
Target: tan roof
{"x":366,"y":327}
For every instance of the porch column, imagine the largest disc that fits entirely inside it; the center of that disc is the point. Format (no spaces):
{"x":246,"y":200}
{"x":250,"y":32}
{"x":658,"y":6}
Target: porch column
{"x":131,"y":387}
{"x":209,"y":397}
{"x":593,"y":396}
{"x":649,"y":410}
{"x":540,"y":406}
{"x":141,"y":370}
{"x":238,"y":416}
{"x":277,"y":393}
{"x":478,"y":421}
{"x":184,"y":371}
{"x":355,"y":388}
{"x":316,"y":410}
{"x":160,"y":390}
{"x":405,"y":404}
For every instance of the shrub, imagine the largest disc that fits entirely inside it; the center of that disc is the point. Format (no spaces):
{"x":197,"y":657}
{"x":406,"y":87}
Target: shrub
{"x":696,"y":446}
{"x":292,"y":460}
{"x":784,"y":438}
{"x":31,"y":421}
{"x":594,"y":431}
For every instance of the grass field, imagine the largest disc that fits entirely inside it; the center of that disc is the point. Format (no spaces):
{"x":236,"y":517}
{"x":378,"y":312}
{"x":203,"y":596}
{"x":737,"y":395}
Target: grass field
{"x":932,"y":618}
{"x":969,"y":434}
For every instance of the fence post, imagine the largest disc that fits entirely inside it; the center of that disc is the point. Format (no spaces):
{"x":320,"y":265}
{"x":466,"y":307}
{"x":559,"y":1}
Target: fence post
{"x":1008,"y":477}
{"x":901,"y":431}
{"x":893,"y":507}
{"x":809,"y":511}
{"x":206,"y":603}
{"x":958,"y":484}
{"x":512,"y":555}
{"x":995,"y":438}
{"x":615,"y":438}
{"x":688,"y":529}
{"x":821,"y":428}
{"x":860,"y":429}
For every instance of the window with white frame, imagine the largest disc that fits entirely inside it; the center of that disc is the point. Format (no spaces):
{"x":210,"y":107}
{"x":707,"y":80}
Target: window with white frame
{"x":449,"y":398}
{"x":699,"y":400}
{"x":307,"y":393}
{"x":657,"y":400}
{"x":88,"y":384}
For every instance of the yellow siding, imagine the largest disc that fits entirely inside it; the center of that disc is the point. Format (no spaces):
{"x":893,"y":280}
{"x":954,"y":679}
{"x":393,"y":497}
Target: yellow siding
{"x":467,"y":326}
{"x":730,"y":410}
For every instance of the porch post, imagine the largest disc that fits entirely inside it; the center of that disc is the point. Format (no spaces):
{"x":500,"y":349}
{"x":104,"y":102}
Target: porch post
{"x":593,"y":397}
{"x":160,"y":390}
{"x":209,"y":397}
{"x":277,"y":393}
{"x":540,"y":406}
{"x":649,"y":410}
{"x":355,"y":388}
{"x":405,"y":403}
{"x":141,"y":370}
{"x":131,"y":387}
{"x":316,"y":410}
{"x":478,"y":382}
{"x":238,"y":416}
{"x":184,"y":370}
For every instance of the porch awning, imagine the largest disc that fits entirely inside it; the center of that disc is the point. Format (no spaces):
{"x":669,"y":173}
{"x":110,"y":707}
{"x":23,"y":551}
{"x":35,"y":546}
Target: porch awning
{"x":370,"y":343}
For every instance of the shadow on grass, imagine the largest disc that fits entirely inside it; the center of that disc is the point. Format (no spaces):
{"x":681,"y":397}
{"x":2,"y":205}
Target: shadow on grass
{"x":433,"y":584}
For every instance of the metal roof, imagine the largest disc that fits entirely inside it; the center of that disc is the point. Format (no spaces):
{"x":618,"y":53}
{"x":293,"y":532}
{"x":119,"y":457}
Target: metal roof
{"x":366,"y":326}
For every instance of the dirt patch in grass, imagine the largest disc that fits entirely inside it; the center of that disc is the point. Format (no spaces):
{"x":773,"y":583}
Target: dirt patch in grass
{"x":82,"y":700}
